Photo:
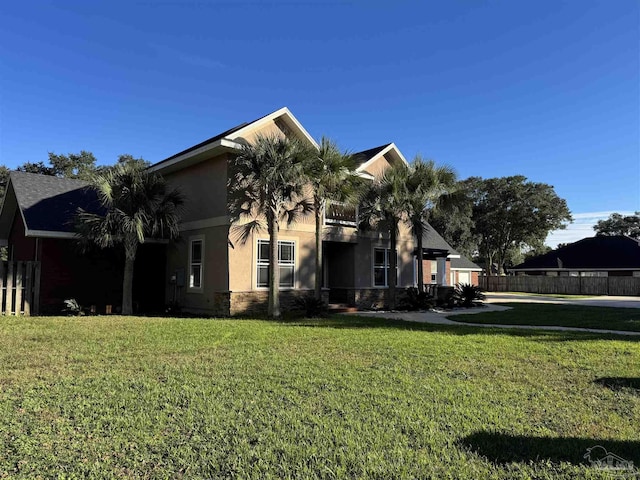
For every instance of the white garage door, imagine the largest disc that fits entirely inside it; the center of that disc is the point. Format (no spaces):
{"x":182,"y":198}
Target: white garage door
{"x":464,"y":277}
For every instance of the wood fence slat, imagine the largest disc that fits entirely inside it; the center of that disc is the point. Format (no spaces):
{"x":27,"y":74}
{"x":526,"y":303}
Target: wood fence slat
{"x":624,"y":286}
{"x":10,"y":289}
{"x":18,"y":271}
{"x":28,"y":288}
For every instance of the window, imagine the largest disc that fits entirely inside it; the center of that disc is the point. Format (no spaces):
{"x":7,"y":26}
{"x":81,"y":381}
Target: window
{"x":381,"y":267}
{"x":196,"y":257}
{"x":286,"y":263}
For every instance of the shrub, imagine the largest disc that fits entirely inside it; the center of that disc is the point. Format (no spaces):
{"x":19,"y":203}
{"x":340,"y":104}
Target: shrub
{"x":413,"y":299}
{"x":72,"y":307}
{"x":465,"y":294}
{"x":311,"y":306}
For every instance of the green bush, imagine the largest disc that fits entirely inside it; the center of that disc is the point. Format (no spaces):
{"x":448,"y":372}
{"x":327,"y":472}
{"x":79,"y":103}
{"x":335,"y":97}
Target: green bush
{"x":413,"y":300}
{"x":310,"y":306}
{"x":465,"y":294}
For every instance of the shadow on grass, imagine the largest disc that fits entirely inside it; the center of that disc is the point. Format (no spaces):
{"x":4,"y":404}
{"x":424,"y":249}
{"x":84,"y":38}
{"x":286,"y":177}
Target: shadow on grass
{"x":620,"y":383}
{"x":362,"y":322}
{"x":504,"y":448}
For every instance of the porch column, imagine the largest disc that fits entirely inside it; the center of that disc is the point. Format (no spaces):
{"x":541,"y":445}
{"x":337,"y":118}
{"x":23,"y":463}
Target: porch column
{"x":441,"y":276}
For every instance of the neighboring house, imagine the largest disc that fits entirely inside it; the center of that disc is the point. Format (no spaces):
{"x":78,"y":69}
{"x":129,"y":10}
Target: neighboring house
{"x":601,"y":256}
{"x":37,"y":225}
{"x":443,"y":265}
{"x":212,"y":272}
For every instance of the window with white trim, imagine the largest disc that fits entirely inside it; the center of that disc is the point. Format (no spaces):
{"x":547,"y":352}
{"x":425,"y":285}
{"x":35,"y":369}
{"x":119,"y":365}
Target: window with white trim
{"x":196,"y":258}
{"x":286,"y":263}
{"x":381,"y":267}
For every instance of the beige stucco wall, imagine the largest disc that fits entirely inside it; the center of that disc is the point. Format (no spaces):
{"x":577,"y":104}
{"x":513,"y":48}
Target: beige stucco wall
{"x":215,"y":273}
{"x":243,"y":260}
{"x":205,"y":188}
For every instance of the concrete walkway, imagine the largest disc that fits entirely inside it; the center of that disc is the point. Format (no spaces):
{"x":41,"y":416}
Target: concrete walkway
{"x":440,"y":318}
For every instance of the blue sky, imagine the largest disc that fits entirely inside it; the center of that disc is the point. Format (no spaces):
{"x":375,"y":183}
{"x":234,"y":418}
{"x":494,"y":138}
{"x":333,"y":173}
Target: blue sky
{"x":547,"y":89}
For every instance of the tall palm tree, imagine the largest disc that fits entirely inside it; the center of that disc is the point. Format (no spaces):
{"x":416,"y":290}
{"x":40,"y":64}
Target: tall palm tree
{"x":427,"y":188}
{"x":267,"y":185}
{"x":384,"y":206}
{"x":136,"y":205}
{"x":330,"y":174}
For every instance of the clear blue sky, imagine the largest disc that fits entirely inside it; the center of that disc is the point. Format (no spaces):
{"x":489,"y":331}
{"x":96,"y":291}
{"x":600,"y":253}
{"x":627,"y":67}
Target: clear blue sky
{"x":548,"y":89}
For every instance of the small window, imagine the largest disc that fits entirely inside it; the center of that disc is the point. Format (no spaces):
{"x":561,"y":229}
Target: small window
{"x":196,"y":257}
{"x":286,"y":263}
{"x":381,"y":266}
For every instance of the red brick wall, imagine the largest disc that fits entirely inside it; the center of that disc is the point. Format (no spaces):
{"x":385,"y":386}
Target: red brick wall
{"x":426,"y":271}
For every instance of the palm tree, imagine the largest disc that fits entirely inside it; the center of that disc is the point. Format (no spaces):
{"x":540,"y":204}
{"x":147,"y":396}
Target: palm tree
{"x":136,"y":205}
{"x":427,"y":188}
{"x":330,"y":173}
{"x":267,"y":184}
{"x":384,"y":206}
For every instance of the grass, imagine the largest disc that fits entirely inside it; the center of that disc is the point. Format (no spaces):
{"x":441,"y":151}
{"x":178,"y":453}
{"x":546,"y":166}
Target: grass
{"x":344,"y":397}
{"x":606,"y":318}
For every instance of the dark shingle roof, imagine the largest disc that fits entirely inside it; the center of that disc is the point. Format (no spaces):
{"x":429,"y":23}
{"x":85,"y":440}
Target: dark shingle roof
{"x":432,"y":239}
{"x":50,"y":203}
{"x":366,"y":155}
{"x":593,"y":252}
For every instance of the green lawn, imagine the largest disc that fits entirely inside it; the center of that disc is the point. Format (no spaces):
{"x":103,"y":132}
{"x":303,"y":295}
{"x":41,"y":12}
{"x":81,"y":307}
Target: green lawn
{"x":338,"y":398}
{"x":607,"y":318}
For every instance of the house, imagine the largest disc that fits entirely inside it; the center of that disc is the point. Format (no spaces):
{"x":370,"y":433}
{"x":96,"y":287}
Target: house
{"x":37,"y":225}
{"x":600,"y":256}
{"x":211,"y":272}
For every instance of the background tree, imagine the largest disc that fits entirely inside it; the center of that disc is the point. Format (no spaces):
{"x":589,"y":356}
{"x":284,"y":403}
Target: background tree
{"x":267,"y":186}
{"x":329,"y":171}
{"x":454,"y":221}
{"x":74,"y":165}
{"x":137,"y":205}
{"x":427,"y":186}
{"x":511,"y":214}
{"x":618,"y":224}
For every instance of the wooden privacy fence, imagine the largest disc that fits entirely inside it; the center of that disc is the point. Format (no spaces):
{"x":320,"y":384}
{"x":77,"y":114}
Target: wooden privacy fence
{"x":628,"y":286}
{"x":19,"y":288}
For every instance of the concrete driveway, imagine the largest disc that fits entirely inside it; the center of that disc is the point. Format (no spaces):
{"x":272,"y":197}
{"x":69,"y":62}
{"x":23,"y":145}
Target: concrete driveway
{"x":602,"y":301}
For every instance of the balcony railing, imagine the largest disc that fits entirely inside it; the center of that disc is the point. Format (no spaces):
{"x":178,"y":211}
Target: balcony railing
{"x":338,"y":213}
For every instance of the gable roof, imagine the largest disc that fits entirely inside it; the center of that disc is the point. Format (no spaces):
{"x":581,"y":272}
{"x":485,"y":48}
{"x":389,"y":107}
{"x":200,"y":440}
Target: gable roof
{"x":463,"y":263}
{"x":592,"y":253}
{"x":432,"y":240}
{"x":47,"y":204}
{"x":229,"y":140}
{"x":366,"y":158}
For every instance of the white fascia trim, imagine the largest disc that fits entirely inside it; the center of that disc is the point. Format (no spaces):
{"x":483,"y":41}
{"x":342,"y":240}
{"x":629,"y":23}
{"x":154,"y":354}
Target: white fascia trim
{"x":452,"y":255}
{"x":218,"y":143}
{"x":205,"y":223}
{"x":467,"y":269}
{"x":49,"y":234}
{"x":365,"y":175}
{"x":272,"y":116}
{"x":391,"y":146}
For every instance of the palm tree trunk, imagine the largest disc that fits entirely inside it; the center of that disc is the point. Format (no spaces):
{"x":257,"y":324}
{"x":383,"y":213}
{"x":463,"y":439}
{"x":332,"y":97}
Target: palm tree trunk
{"x":318,"y":207}
{"x":420,"y":265}
{"x":131,"y":247}
{"x":393,"y":266}
{"x":273,"y":310}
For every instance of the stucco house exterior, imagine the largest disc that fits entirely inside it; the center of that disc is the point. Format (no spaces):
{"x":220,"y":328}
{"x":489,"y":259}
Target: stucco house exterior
{"x":210,"y":272}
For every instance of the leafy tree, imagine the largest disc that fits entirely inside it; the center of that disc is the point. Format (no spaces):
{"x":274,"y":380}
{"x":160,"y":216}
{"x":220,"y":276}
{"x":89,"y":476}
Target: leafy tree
{"x":329,"y":171}
{"x":618,"y":224}
{"x":427,"y":187}
{"x":511,"y":214}
{"x":74,"y":165}
{"x":137,"y":206}
{"x":454,"y":221}
{"x":36,"y":167}
{"x":266,"y":186}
